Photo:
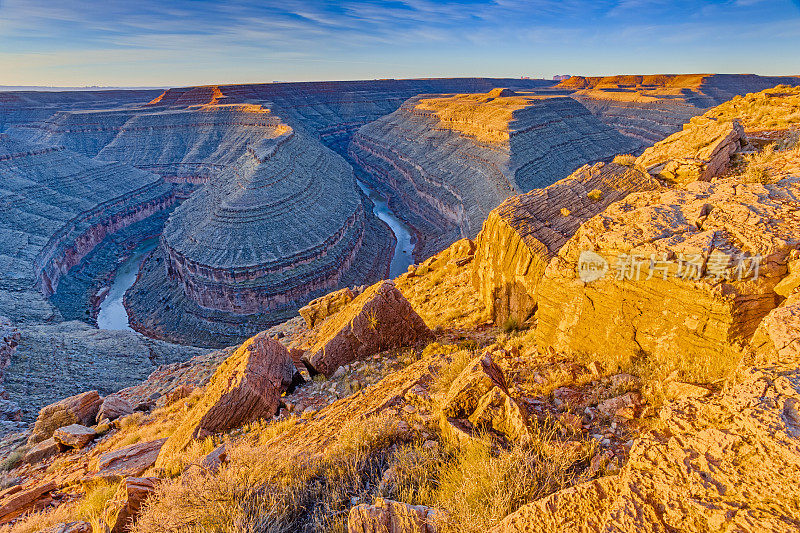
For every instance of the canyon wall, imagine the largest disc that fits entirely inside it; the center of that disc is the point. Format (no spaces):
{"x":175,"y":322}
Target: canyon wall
{"x":280,"y":226}
{"x":650,"y":108}
{"x":447,"y":161}
{"x":56,"y":207}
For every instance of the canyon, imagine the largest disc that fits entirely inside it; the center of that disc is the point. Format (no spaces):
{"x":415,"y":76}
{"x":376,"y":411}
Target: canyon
{"x":259,"y":194}
{"x":595,"y":326}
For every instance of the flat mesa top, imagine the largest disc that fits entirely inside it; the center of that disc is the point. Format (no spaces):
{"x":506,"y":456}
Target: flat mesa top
{"x":485,"y":116}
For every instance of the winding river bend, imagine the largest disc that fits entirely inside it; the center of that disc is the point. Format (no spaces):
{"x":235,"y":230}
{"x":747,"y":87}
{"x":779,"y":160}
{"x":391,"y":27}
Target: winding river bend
{"x":403,"y":252}
{"x":112,"y":313}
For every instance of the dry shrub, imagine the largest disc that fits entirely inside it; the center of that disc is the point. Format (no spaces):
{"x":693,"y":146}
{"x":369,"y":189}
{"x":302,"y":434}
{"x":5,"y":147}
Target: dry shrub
{"x":476,"y":483}
{"x":626,"y":160}
{"x":89,"y":509}
{"x":263,"y":490}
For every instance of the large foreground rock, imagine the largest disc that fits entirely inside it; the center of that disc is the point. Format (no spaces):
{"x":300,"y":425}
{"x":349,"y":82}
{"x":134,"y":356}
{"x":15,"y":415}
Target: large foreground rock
{"x":379,"y":319}
{"x":124,"y":507}
{"x":525,"y":232}
{"x":79,"y":409}
{"x":690,"y":272}
{"x":700,"y":151}
{"x":388,"y":516}
{"x":723,"y":463}
{"x":74,"y":436}
{"x":130,"y":461}
{"x":17,"y":501}
{"x":246,"y":387}
{"x":114,"y":407}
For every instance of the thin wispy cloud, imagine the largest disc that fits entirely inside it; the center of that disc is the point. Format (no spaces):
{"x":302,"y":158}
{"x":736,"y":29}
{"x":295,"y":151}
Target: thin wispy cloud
{"x":151,"y":42}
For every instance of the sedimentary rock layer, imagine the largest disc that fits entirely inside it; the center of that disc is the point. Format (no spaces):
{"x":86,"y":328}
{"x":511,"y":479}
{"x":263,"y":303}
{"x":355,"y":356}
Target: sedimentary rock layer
{"x":520,"y":237}
{"x":56,"y":207}
{"x":59,"y":205}
{"x":690,"y":271}
{"x":650,"y":108}
{"x":448,"y":161}
{"x":288,"y":221}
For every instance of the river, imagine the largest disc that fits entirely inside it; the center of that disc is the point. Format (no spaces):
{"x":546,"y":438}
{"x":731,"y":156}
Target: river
{"x":403,"y":252}
{"x":112,"y":313}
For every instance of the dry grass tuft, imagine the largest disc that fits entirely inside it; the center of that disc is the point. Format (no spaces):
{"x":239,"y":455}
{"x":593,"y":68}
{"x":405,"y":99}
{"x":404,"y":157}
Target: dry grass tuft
{"x":626,"y":160}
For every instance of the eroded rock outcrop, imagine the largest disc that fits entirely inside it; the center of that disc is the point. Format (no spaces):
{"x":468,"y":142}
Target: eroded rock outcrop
{"x":393,"y":517}
{"x":79,"y":409}
{"x":702,"y":150}
{"x":520,"y":237}
{"x":726,"y":462}
{"x":321,"y":308}
{"x":378,"y":319}
{"x":128,"y":461}
{"x":246,"y":387}
{"x":652,"y":107}
{"x":124,"y":508}
{"x":449,"y":160}
{"x":688,"y":271}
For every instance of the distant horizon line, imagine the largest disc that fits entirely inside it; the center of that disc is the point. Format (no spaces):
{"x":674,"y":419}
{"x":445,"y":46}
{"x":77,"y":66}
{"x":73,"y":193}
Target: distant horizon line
{"x":55,"y":88}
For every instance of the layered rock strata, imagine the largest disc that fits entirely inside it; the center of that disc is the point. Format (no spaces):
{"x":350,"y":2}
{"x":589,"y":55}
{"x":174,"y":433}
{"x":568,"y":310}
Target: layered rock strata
{"x":724,"y":462}
{"x":702,"y":150}
{"x":689,"y":271}
{"x":57,"y":207}
{"x":525,"y":232}
{"x":246,"y":387}
{"x":379,"y":319}
{"x":448,"y":161}
{"x":652,"y":107}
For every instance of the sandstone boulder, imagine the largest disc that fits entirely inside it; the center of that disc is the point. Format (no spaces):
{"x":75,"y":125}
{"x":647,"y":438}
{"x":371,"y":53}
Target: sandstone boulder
{"x":478,"y":400}
{"x":74,"y":436}
{"x":321,"y":308}
{"x":114,"y":407}
{"x":701,"y":151}
{"x":247,"y":386}
{"x":691,"y":272}
{"x":388,"y":516}
{"x":79,"y":409}
{"x":520,"y":236}
{"x":17,"y":501}
{"x":123,"y":509}
{"x":130,"y":461}
{"x":378,"y":319}
{"x":41,"y":451}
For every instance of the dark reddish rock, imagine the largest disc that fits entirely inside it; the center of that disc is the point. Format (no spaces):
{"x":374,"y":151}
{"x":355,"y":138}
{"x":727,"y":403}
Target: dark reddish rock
{"x":246,"y":387}
{"x":215,"y":459}
{"x":16,"y":501}
{"x":130,"y":461}
{"x":74,"y":436}
{"x":379,"y":319}
{"x":41,"y":451}
{"x":129,"y":499}
{"x":114,"y":407}
{"x":79,"y":409}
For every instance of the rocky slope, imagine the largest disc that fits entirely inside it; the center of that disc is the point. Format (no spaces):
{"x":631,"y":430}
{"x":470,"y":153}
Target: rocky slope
{"x":448,"y":161}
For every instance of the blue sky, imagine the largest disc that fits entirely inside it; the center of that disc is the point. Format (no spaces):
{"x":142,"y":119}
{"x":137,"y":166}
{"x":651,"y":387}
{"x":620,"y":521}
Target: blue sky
{"x":162,"y":42}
